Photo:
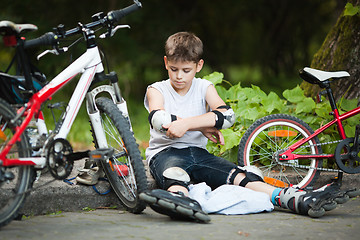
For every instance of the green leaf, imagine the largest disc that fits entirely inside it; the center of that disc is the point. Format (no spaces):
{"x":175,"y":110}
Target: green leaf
{"x":253,"y":95}
{"x":306,"y":106}
{"x":236,"y":93}
{"x":253,"y":113}
{"x":231,"y":139}
{"x":215,"y":77}
{"x":321,"y":112}
{"x":351,"y":10}
{"x":323,"y":109}
{"x":222,"y":92}
{"x":258,"y":91}
{"x":272,"y":102}
{"x":349,"y":131}
{"x":348,"y":104}
{"x":294,"y":95}
{"x":353,"y":121}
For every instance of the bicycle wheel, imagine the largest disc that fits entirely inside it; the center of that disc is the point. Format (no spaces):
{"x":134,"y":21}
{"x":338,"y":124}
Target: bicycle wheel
{"x":269,"y":135}
{"x":125,"y":170}
{"x":14,"y":181}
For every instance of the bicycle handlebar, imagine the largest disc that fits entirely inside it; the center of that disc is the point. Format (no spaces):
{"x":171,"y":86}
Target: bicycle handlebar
{"x":48,"y":38}
{"x":118,"y":14}
{"x":51,"y":39}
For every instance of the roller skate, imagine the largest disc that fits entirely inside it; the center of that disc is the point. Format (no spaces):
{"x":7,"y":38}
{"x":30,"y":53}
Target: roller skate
{"x":174,"y":205}
{"x":314,"y":203}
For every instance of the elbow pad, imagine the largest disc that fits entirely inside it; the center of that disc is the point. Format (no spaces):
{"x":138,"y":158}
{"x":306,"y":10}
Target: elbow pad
{"x":158,"y":118}
{"x":224,"y":119}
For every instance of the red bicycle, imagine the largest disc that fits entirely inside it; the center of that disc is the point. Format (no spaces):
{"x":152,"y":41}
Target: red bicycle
{"x":25,"y":143}
{"x":288,"y":151}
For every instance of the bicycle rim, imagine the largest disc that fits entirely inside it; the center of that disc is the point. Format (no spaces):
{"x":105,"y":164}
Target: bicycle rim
{"x":125,"y":170}
{"x":13,"y":190}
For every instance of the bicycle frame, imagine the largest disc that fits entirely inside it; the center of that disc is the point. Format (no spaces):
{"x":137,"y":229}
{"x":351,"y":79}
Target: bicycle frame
{"x":89,"y":64}
{"x":288,"y":155}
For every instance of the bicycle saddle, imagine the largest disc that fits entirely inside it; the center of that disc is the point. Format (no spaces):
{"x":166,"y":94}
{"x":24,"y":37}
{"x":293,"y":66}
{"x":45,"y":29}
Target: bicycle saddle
{"x":315,"y":76}
{"x":9,"y":28}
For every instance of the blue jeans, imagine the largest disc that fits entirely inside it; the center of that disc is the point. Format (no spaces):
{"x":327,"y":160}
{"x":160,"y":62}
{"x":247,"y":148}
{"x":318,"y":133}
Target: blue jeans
{"x":197,"y":162}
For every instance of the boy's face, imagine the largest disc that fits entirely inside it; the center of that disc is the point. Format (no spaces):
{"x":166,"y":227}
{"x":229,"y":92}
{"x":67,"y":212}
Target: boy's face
{"x":181,"y":74}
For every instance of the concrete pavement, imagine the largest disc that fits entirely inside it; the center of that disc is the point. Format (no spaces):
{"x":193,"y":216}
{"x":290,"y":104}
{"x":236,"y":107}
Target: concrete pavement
{"x":66,"y":218}
{"x":341,"y":223}
{"x":61,"y":196}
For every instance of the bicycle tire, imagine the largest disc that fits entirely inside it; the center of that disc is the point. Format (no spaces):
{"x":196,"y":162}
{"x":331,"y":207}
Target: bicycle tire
{"x":118,"y":135}
{"x":13,"y":191}
{"x":275,"y":132}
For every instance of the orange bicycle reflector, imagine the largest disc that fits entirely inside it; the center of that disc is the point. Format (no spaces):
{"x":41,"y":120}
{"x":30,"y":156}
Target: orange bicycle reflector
{"x":282,"y":133}
{"x":2,"y":135}
{"x":97,"y":156}
{"x":275,"y":182}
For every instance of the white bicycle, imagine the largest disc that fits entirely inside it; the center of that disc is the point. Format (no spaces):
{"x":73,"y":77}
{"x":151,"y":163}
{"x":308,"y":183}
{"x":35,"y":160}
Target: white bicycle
{"x":23,"y":149}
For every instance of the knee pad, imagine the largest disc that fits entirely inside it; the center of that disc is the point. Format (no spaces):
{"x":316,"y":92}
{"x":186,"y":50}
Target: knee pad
{"x":176,"y":176}
{"x":252,"y":174}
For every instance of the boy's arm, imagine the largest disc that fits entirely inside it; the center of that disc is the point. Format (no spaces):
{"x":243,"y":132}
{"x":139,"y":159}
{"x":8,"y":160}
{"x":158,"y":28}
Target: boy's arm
{"x":155,"y":99}
{"x":202,"y":122}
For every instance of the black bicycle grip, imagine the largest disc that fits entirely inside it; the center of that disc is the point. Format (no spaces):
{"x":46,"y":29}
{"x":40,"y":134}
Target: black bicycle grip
{"x":116,"y":15}
{"x":48,"y":39}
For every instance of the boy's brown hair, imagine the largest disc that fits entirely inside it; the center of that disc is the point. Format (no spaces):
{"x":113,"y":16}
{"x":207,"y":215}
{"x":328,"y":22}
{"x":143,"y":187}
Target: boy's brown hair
{"x":184,"y":46}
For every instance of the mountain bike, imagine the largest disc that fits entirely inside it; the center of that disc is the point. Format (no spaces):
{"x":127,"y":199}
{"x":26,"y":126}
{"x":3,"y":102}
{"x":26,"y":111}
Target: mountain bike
{"x":288,"y":151}
{"x":26,"y":145}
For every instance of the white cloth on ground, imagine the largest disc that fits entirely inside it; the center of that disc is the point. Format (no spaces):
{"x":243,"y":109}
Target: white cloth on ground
{"x":230,"y":199}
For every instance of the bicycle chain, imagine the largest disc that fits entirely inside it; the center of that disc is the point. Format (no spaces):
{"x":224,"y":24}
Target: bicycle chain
{"x":309,"y":167}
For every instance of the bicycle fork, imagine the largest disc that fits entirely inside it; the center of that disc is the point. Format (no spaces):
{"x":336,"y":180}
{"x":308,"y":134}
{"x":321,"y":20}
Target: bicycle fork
{"x":94,"y":114}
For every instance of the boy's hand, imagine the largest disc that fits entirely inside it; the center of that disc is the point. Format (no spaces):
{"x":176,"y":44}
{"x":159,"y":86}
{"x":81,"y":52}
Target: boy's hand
{"x":213,"y":135}
{"x":176,"y":129}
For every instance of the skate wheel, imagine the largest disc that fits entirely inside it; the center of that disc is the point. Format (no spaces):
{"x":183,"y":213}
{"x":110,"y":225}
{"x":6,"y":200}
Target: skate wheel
{"x":184,"y":211}
{"x":316,"y":213}
{"x":330,"y":206}
{"x":202,"y":217}
{"x":353,"y":193}
{"x":148,"y":199}
{"x":342,"y":199}
{"x":165,"y":204}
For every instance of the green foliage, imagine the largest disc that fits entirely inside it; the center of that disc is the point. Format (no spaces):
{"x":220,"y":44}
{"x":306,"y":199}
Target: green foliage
{"x":351,"y":10}
{"x":88,"y":209}
{"x":250,"y":104}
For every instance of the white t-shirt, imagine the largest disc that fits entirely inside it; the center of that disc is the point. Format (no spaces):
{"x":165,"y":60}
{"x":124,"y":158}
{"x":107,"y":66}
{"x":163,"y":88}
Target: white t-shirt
{"x":189,"y":105}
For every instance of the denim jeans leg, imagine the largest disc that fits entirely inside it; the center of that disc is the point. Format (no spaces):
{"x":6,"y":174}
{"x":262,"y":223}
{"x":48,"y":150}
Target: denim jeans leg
{"x":210,"y":169}
{"x":170,"y":157}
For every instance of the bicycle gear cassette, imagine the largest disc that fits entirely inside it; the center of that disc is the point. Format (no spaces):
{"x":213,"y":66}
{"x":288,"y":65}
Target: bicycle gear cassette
{"x":57,"y":162}
{"x":347,"y":156}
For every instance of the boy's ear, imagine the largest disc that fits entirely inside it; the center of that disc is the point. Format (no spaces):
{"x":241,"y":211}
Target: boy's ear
{"x":166,"y":62}
{"x":199,"y":65}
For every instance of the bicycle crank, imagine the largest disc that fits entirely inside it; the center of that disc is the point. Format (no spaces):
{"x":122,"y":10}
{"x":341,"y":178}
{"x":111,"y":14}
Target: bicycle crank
{"x":347,"y":156}
{"x":59,"y":165}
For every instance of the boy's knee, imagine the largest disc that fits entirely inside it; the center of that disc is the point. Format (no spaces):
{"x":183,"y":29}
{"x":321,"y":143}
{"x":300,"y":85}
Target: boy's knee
{"x":251,"y":174}
{"x":176,"y":176}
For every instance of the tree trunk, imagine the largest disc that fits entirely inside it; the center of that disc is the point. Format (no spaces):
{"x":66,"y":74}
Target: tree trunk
{"x":340,"y":51}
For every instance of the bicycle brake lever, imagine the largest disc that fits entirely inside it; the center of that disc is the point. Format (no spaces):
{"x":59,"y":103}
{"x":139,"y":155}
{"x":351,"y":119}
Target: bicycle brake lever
{"x":113,"y":31}
{"x":54,"y":51}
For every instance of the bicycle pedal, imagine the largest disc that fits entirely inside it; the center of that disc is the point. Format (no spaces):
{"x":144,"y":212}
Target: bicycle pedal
{"x":101,"y":154}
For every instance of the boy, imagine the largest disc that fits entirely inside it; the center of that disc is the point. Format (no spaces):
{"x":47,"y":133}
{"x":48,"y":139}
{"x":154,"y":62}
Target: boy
{"x":180,"y":127}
